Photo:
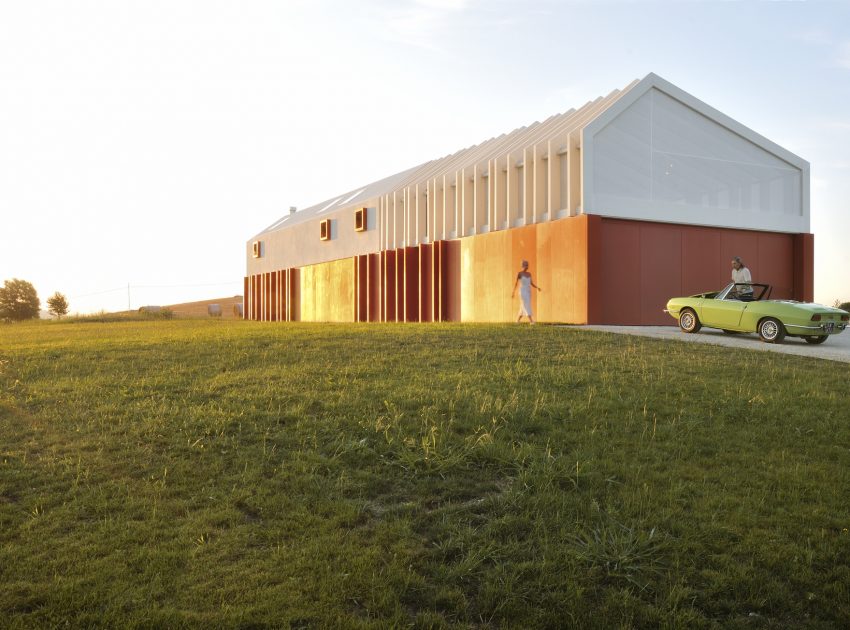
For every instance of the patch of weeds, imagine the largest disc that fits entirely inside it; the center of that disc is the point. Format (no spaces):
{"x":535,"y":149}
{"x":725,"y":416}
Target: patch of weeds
{"x":619,"y":553}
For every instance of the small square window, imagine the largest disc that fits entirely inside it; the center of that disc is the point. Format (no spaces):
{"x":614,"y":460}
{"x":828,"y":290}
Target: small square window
{"x":360,"y":220}
{"x":325,"y":230}
{"x":257,"y":249}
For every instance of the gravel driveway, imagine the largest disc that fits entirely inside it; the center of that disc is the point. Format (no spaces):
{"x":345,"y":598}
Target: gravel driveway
{"x":836,"y":348}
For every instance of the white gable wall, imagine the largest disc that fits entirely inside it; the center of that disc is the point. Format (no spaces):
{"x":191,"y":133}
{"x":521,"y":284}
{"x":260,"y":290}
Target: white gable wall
{"x":661,"y":155}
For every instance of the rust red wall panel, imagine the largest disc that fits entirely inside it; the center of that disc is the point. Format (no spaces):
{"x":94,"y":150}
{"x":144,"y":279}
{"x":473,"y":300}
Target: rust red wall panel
{"x":452,"y":274}
{"x":361,"y":288}
{"x":374,"y":276}
{"x":804,"y":267}
{"x":411,"y":284}
{"x":269,"y":297}
{"x":284,"y":295}
{"x":660,"y":270}
{"x":643,"y":264}
{"x":390,"y":299}
{"x":278,"y":296}
{"x":245,"y":298}
{"x":284,"y":290}
{"x":426,"y":283}
{"x":619,"y":281}
{"x":257,"y":302}
{"x":400,"y":258}
{"x":295,"y":294}
{"x":595,"y":280}
{"x":702,"y":265}
{"x":439,"y":287}
{"x":266,"y":300}
{"x":287,"y":296}
{"x":774,"y":264}
{"x":273,"y":296}
{"x":389,"y":285}
{"x":739,"y":243}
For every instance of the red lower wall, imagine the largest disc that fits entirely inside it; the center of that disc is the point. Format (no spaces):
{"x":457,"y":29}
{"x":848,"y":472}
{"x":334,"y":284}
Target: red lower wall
{"x":637,"y":266}
{"x":593,"y":269}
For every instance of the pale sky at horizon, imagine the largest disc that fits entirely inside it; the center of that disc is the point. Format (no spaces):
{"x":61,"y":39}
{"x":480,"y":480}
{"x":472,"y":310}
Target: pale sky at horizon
{"x":144,"y":143}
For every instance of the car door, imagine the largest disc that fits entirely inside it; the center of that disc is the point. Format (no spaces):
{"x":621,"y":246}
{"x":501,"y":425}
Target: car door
{"x":722,"y":313}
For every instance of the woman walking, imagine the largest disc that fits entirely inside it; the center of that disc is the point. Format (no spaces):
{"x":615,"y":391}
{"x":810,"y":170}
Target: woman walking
{"x":525,"y":282}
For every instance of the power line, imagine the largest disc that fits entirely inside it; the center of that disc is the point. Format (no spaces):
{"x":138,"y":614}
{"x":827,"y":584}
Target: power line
{"x":96,"y":293}
{"x":183,"y":286}
{"x":127,"y":288}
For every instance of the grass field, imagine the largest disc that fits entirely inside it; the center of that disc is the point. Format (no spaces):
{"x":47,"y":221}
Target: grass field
{"x":237,"y":474}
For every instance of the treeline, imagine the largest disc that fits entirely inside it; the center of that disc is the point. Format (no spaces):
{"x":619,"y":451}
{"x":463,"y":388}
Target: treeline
{"x":19,"y":301}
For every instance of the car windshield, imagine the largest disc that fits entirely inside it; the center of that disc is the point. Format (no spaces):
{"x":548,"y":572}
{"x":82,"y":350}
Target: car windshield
{"x":744,"y":292}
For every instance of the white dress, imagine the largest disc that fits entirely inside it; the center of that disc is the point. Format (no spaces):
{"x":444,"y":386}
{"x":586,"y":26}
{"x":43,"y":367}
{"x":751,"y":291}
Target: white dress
{"x":525,"y":296}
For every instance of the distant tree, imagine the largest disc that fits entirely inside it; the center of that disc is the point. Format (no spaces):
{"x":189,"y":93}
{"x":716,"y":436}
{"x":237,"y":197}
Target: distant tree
{"x":845,"y":306}
{"x":18,"y":300}
{"x":57,"y":305}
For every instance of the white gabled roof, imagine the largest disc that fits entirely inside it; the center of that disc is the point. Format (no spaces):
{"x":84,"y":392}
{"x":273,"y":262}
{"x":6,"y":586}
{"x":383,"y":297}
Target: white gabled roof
{"x":588,"y":120}
{"x":723,"y":157}
{"x":559,"y":124}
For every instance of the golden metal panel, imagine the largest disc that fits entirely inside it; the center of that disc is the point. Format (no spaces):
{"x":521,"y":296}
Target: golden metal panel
{"x":556,"y":252}
{"x":327,"y":291}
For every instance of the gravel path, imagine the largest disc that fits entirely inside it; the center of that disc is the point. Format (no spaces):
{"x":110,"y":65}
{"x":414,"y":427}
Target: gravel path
{"x":836,"y":348}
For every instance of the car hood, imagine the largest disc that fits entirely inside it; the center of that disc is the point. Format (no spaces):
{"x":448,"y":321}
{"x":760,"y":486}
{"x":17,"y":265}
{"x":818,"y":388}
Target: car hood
{"x":808,"y":306}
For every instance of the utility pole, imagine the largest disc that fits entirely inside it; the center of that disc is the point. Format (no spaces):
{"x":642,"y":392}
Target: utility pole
{"x":128,"y":298}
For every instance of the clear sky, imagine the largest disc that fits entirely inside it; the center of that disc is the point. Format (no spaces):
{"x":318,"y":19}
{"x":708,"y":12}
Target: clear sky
{"x":143,"y":143}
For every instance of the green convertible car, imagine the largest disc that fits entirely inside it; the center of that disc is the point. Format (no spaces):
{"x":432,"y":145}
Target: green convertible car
{"x":747,"y":308}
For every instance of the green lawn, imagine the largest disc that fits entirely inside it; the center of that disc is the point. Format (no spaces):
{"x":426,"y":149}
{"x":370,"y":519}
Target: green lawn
{"x":239,"y":474}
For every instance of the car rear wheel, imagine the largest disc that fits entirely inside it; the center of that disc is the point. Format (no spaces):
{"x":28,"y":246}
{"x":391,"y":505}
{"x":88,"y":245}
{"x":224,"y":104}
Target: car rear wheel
{"x":771,"y":330}
{"x":688,"y":321}
{"x":816,"y":339}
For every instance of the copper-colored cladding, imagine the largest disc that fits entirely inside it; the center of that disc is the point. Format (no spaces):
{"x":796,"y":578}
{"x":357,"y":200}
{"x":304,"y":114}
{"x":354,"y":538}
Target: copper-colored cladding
{"x":388,"y":299}
{"x":266,"y":297}
{"x":452,"y":278}
{"x":294,"y":295}
{"x":591,"y":269}
{"x":361,"y":283}
{"x":426,"y":277}
{"x":642,"y":265}
{"x":368,"y":284}
{"x":327,"y":292}
{"x":410,"y":282}
{"x":400,"y":260}
{"x":270,"y":297}
{"x":374,"y":294}
{"x":440,"y":282}
{"x":557,"y":255}
{"x":804,"y":267}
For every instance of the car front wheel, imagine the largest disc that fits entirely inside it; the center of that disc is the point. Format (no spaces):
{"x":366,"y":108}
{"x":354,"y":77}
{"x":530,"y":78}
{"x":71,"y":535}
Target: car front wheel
{"x":815,"y":339}
{"x":771,"y":330}
{"x":688,"y":321}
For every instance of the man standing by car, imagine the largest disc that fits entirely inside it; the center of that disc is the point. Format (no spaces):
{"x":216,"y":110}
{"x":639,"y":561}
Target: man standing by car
{"x":740,"y":274}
